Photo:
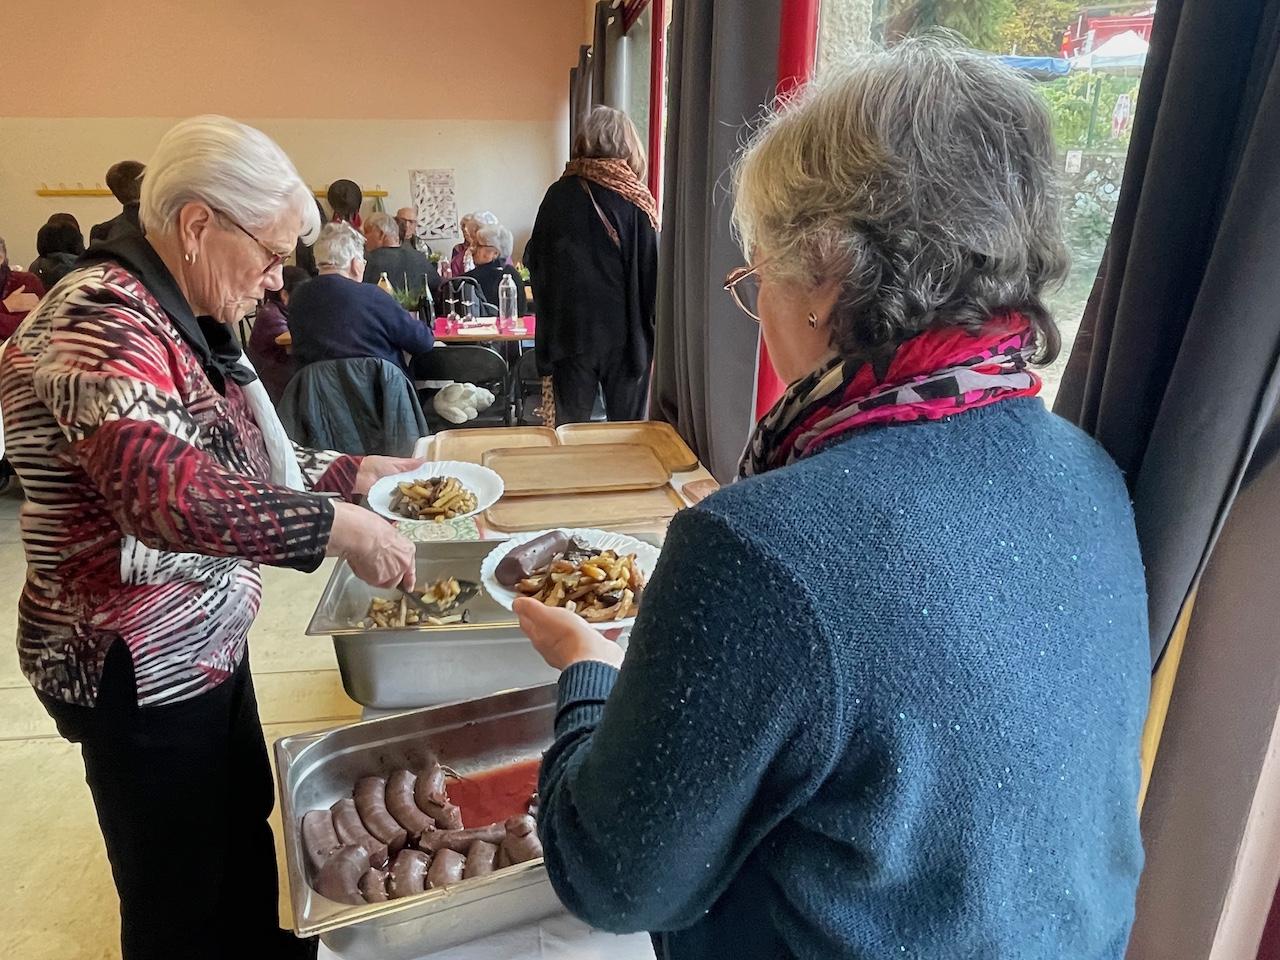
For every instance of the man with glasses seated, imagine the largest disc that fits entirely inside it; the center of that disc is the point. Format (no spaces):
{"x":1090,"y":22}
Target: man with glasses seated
{"x":407,"y":221}
{"x":335,"y":316}
{"x":406,"y":268}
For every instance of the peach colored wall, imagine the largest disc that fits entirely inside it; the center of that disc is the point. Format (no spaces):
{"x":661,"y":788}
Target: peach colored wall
{"x":331,"y":80}
{"x":377,"y":59}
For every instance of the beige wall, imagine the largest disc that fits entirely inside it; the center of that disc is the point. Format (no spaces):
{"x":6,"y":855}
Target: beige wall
{"x":508,"y":180}
{"x":300,"y":70}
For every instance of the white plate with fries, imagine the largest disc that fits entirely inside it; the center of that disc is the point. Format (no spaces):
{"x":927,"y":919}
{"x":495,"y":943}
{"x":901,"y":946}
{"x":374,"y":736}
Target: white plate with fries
{"x":475,"y":489}
{"x":600,"y":541}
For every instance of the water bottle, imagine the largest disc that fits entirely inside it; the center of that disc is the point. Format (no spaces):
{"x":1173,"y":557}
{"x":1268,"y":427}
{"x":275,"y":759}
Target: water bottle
{"x":507,"y":301}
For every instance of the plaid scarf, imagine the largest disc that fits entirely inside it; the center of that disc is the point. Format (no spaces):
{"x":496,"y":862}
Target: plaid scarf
{"x":935,"y":374}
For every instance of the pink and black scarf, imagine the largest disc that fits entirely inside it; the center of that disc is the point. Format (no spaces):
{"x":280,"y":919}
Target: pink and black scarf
{"x":936,"y":374}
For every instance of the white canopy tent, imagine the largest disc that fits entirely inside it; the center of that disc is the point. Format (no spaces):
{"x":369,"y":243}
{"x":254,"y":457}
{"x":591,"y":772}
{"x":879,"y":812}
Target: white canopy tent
{"x":1122,"y":53}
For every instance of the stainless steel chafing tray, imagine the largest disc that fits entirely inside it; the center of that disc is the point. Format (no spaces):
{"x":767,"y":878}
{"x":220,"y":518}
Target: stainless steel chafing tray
{"x":316,"y":769}
{"x":421,"y":665}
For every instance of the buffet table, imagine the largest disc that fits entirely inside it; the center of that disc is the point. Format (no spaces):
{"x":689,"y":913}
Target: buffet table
{"x":590,"y":496}
{"x":687,"y":485}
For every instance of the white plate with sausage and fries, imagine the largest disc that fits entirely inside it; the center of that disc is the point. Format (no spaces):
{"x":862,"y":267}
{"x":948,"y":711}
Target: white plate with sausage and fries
{"x":600,"y":576}
{"x":445,"y":490}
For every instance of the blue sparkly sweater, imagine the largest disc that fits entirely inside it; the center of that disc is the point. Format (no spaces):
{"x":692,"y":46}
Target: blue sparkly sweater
{"x":885,"y":702}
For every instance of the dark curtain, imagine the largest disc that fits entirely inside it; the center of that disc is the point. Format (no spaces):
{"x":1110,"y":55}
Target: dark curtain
{"x":579,"y":92}
{"x":723,"y":66}
{"x":1174,"y":368}
{"x":600,"y":53}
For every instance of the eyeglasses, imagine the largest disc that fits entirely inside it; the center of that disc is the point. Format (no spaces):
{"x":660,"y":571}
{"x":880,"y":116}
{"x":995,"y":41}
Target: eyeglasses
{"x":743,"y":284}
{"x":276,"y":259}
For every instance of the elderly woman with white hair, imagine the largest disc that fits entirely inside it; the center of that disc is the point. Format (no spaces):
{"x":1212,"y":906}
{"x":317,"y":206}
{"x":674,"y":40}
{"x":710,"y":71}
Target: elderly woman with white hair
{"x":884,"y":694}
{"x":493,"y":256}
{"x":158,"y":479}
{"x":462,"y":257}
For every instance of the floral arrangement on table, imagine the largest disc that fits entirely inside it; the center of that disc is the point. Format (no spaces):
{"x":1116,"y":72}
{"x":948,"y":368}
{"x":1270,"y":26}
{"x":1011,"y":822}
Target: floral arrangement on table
{"x":435,"y":257}
{"x":523,"y":271}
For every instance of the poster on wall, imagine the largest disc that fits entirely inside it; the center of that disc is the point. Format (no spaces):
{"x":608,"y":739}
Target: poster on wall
{"x":435,"y":195}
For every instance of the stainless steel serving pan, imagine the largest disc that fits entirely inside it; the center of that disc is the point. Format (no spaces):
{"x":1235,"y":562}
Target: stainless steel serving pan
{"x":390,"y":669}
{"x":316,"y":769}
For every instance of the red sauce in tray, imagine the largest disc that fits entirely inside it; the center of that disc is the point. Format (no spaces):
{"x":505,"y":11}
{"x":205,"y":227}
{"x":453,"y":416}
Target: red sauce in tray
{"x":493,"y":795}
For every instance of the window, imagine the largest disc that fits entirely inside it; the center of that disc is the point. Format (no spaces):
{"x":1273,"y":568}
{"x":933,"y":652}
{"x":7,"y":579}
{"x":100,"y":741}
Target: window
{"x":1086,"y":62}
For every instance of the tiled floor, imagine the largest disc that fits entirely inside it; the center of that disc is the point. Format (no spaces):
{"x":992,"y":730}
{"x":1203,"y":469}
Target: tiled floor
{"x":48,"y":829}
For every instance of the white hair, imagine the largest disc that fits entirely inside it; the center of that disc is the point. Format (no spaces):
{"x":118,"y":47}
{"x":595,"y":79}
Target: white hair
{"x":338,"y":245}
{"x":497,"y":236}
{"x":483,"y":217}
{"x":385,"y":224}
{"x":231,"y":167}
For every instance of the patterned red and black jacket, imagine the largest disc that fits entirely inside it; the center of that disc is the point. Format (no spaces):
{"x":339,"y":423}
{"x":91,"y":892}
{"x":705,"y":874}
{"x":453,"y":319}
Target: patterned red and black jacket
{"x":149,"y":506}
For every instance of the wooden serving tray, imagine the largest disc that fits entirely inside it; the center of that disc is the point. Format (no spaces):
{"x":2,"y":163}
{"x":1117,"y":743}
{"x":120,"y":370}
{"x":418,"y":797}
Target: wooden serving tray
{"x":604,"y":510}
{"x":695,"y":491}
{"x":470,"y":445}
{"x":600,"y":467}
{"x":662,"y":437}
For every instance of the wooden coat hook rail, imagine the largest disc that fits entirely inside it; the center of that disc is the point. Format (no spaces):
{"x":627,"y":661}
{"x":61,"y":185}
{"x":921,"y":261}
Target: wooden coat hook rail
{"x":79,"y":190}
{"x":322,"y":192}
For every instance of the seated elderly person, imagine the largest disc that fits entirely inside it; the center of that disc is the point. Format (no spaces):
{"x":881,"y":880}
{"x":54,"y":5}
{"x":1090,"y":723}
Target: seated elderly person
{"x":20,"y":291}
{"x":406,"y":268}
{"x":58,"y":244}
{"x":462,"y":258}
{"x":70,"y":221}
{"x":884,"y":694}
{"x":273,"y":361}
{"x":334,"y":316}
{"x":492,"y":253}
{"x":407,"y":221}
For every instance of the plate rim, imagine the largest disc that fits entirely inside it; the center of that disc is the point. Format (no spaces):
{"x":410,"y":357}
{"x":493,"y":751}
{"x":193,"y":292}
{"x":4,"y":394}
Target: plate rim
{"x":505,"y":597}
{"x":432,"y":468}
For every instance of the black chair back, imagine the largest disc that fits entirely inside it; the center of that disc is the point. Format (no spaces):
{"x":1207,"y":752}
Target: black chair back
{"x":465,"y":363}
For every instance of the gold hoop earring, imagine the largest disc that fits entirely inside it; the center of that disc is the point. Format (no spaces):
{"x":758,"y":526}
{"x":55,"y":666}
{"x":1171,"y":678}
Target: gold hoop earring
{"x":813,"y":320}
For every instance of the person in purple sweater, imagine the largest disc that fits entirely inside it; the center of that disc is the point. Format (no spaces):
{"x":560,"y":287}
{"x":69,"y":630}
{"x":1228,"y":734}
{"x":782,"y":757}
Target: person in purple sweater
{"x":273,"y":362}
{"x":335,"y":316}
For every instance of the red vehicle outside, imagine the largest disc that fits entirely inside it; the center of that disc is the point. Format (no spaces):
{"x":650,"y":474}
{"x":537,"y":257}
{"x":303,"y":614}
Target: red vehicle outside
{"x":1094,"y":26}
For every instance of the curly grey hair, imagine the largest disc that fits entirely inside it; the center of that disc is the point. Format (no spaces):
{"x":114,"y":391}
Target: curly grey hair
{"x":922,"y":177}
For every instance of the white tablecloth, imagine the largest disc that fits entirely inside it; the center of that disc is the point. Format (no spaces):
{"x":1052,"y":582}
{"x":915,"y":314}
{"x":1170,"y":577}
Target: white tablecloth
{"x":556,"y":938}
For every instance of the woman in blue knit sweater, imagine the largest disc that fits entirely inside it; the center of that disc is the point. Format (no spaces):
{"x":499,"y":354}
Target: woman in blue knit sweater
{"x":884,"y":696}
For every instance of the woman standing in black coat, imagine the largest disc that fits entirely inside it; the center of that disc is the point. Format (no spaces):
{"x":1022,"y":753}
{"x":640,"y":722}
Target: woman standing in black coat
{"x":593,"y":262}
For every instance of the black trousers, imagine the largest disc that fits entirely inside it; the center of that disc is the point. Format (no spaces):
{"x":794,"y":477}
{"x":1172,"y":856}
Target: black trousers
{"x":577,"y":379}
{"x":183,"y":792}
